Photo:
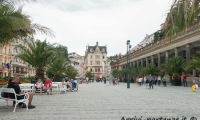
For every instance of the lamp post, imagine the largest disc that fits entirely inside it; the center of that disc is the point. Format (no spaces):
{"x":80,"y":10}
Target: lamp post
{"x":128,"y":63}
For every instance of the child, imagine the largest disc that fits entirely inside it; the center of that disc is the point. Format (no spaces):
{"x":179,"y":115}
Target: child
{"x":193,"y":88}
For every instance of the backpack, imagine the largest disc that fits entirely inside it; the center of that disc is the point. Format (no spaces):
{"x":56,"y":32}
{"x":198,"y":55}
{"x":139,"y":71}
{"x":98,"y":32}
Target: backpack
{"x":147,"y":80}
{"x":4,"y":95}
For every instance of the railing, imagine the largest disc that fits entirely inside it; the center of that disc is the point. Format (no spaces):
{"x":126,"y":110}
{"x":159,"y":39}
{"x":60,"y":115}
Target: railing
{"x":20,"y":72}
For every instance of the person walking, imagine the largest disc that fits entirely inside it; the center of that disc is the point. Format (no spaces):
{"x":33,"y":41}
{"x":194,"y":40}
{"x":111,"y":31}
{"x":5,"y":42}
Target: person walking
{"x":196,"y":83}
{"x":156,"y":78}
{"x":113,"y":80}
{"x":87,"y":80}
{"x":118,"y":79}
{"x":164,"y":79}
{"x":159,"y":80}
{"x":108,"y":81}
{"x":150,"y":81}
{"x":140,"y":80}
{"x":184,"y":80}
{"x":104,"y":79}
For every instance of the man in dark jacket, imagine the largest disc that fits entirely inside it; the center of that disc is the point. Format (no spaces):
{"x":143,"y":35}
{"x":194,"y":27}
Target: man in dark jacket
{"x":15,"y":85}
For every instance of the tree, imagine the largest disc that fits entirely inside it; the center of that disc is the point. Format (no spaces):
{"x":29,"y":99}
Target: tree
{"x":15,"y":24}
{"x":151,"y":69}
{"x":115,"y":73}
{"x":57,"y":67}
{"x":194,"y":63}
{"x":89,"y":74}
{"x":62,"y":51}
{"x":71,"y":72}
{"x":183,"y":13}
{"x":39,"y":54}
{"x":174,"y":67}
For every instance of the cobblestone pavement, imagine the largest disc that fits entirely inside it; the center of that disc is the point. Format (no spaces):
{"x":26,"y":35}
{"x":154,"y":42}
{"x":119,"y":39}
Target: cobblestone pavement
{"x":96,"y":101}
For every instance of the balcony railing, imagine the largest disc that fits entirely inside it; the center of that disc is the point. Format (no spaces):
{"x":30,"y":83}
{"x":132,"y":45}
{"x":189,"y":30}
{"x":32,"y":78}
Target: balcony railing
{"x":20,"y":72}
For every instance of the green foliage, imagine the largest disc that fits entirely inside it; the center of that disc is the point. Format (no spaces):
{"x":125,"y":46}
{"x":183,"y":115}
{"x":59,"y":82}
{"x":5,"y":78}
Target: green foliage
{"x":158,"y":35}
{"x":16,"y":24}
{"x":89,"y":74}
{"x":115,"y":73}
{"x":39,"y":54}
{"x":183,"y":13}
{"x":71,"y":72}
{"x":151,"y":69}
{"x":62,"y":51}
{"x":195,"y":62}
{"x":57,"y":67}
{"x":174,"y":66}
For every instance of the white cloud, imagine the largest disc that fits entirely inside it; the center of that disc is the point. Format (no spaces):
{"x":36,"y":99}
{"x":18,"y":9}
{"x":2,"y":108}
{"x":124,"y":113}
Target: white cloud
{"x":77,"y":23}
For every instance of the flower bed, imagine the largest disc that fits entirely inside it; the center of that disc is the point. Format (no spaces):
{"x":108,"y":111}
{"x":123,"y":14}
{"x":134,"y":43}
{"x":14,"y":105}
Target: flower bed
{"x":3,"y":82}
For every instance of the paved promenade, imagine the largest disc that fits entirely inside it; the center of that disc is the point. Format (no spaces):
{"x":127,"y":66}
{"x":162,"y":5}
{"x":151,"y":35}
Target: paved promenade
{"x":96,"y":101}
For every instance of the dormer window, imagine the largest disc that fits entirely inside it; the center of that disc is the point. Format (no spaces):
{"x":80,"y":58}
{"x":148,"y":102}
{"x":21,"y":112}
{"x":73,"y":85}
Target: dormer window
{"x":91,"y":50}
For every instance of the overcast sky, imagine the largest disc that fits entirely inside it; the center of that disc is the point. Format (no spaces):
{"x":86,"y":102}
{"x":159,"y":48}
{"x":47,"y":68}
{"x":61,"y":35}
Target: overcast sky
{"x":78,"y":23}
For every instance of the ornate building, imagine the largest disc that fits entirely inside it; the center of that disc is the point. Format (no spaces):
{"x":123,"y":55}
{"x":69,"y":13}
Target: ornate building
{"x":5,"y":60}
{"x":77,"y":61}
{"x":96,"y":60}
{"x":10,"y":64}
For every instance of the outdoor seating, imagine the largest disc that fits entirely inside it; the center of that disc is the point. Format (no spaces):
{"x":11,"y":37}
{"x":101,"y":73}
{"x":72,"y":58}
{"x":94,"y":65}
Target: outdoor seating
{"x":11,"y":90}
{"x":27,"y":87}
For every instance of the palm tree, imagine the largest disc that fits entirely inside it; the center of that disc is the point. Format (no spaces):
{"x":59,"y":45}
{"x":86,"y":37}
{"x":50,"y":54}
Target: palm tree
{"x":182,"y":14}
{"x":195,"y":63}
{"x":57,"y":67}
{"x":151,"y":69}
{"x":15,"y":24}
{"x":174,"y":67}
{"x":39,"y":54}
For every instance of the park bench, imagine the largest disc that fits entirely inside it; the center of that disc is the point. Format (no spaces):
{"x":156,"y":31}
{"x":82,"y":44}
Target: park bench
{"x":27,"y":87}
{"x":11,"y":90}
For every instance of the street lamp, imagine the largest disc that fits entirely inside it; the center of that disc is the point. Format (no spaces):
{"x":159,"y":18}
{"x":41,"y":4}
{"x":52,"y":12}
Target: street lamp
{"x":128,"y":63}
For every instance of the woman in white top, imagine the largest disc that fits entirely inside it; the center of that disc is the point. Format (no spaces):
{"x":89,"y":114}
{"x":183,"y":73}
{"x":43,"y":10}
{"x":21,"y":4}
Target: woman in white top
{"x":39,"y":85}
{"x":159,"y":80}
{"x":68,"y":84}
{"x":140,"y":80}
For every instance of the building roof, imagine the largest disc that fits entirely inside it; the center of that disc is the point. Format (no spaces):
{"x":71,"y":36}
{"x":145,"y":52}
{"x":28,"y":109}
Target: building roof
{"x":91,"y":49}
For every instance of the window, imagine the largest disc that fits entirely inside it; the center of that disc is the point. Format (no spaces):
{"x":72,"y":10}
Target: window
{"x":91,"y":69}
{"x":90,"y":62}
{"x":97,"y":62}
{"x":103,"y":57}
{"x":91,"y":50}
{"x":90,"y":56}
{"x":97,"y":56}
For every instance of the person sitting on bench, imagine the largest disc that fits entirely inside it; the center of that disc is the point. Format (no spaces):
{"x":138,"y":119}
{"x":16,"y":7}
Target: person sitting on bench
{"x":48,"y":85}
{"x":15,"y":85}
{"x":38,"y":86}
{"x":68,"y":84}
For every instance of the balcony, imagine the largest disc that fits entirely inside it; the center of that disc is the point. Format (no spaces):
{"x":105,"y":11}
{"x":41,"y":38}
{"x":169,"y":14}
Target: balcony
{"x":20,"y":72}
{"x":19,"y":64}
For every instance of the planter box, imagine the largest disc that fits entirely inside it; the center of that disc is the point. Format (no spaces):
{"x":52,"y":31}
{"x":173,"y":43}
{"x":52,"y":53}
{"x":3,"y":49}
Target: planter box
{"x":3,"y":82}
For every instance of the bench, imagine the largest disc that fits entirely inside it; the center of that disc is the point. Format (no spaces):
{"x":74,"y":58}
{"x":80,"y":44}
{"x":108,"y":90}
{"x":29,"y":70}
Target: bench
{"x":11,"y":90}
{"x":27,"y":87}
